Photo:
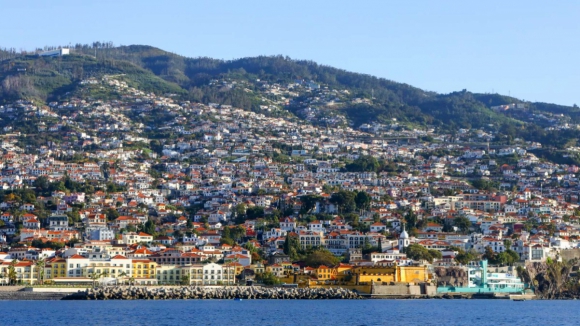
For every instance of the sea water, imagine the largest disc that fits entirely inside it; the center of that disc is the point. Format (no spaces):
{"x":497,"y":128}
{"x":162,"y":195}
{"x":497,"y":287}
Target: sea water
{"x":291,"y":312}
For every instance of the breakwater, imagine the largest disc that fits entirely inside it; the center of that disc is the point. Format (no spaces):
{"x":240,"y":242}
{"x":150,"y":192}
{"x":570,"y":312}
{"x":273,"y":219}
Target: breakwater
{"x":234,"y":292}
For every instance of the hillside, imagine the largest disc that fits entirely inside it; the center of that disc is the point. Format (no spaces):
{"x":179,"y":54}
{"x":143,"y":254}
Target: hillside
{"x":30,"y":76}
{"x":322,"y":94}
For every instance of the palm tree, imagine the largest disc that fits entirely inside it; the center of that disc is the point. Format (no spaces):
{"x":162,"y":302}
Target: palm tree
{"x":4,"y":278}
{"x":95,"y":277}
{"x":122,"y":274}
{"x":12,"y":272}
{"x":105,"y":274}
{"x":185,"y":280}
{"x":40,"y":265}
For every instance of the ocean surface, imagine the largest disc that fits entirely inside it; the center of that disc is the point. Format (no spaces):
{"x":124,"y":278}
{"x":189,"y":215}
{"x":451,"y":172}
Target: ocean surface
{"x":291,"y":312}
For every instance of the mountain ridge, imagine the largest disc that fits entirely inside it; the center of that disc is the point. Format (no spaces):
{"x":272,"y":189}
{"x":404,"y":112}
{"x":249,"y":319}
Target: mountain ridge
{"x":153,"y":69}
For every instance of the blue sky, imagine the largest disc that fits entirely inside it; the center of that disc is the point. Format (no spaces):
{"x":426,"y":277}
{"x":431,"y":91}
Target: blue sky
{"x":528,"y":49}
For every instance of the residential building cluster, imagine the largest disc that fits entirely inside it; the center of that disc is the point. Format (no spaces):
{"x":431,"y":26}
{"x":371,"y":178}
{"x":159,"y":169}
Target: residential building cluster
{"x":147,"y":189}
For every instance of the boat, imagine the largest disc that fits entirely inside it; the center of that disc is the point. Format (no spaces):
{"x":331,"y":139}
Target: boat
{"x":238,"y":299}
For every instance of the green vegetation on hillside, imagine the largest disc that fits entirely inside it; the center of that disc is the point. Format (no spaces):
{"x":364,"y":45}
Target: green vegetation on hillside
{"x":46,"y":78}
{"x":154,"y":70}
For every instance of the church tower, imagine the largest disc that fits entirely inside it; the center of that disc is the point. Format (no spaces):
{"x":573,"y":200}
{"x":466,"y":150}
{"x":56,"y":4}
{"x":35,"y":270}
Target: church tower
{"x":403,"y":240}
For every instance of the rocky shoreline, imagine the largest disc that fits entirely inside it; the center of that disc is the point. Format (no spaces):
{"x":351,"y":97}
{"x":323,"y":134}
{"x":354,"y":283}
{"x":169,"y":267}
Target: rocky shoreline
{"x":142,"y":293}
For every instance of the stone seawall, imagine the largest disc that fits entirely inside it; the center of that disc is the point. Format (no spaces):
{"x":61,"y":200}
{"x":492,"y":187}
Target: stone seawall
{"x":27,"y":295}
{"x":139,"y":293}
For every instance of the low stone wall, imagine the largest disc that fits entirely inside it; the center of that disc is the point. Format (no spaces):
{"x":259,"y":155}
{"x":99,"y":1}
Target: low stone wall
{"x":27,"y":295}
{"x":63,"y":290}
{"x":403,"y":290}
{"x":139,"y":293}
{"x":395,"y":290}
{"x":11,"y":288}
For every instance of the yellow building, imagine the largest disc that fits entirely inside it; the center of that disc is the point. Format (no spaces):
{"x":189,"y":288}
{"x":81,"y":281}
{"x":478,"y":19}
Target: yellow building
{"x":324,"y":273}
{"x":413,"y":274}
{"x":25,"y":272}
{"x":386,"y":274}
{"x":57,"y":268}
{"x":347,"y":275}
{"x":258,"y":267}
{"x":236,"y":268}
{"x":144,"y":269}
{"x":276,"y":269}
{"x":287,"y":267}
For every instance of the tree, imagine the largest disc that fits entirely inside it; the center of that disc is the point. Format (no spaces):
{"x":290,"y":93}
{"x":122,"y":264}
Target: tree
{"x":411,"y":220}
{"x":227,"y":237}
{"x":40,"y":265}
{"x":12,"y":271}
{"x":149,"y":227}
{"x":41,"y":183}
{"x":362,"y":200}
{"x":238,"y":232}
{"x":254,"y":212}
{"x":12,"y":197}
{"x":240,"y":210}
{"x":74,"y":216}
{"x":435,"y":254}
{"x":484,"y":184}
{"x":308,"y":203}
{"x":364,"y":163}
{"x":111,"y":214}
{"x":507,"y":257}
{"x":250,"y":246}
{"x":321,"y":256}
{"x":367,"y":248}
{"x":226,"y":233}
{"x":462,"y":222}
{"x":418,"y":252}
{"x":353,"y":219}
{"x":94,"y":278}
{"x":268,"y":278}
{"x":123,"y":274}
{"x":291,"y":247}
{"x":551,"y":228}
{"x":344,"y":200}
{"x":464,"y":257}
{"x":29,"y":196}
{"x":507,"y":243}
{"x":490,"y":255}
